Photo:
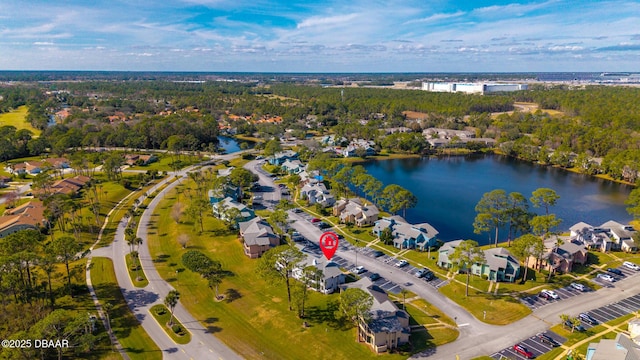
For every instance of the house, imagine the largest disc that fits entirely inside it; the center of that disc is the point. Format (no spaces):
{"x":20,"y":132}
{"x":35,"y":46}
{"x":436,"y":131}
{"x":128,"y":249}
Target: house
{"x":353,"y":211}
{"x":406,"y":235}
{"x":622,"y":235}
{"x":620,"y":348}
{"x":328,"y":276}
{"x":317,"y":193}
{"x":57,"y":163}
{"x":226,"y":171}
{"x":293,"y":166}
{"x":280,"y":157}
{"x":227,"y":190}
{"x":141,"y":160}
{"x":609,"y":236}
{"x":562,"y":258}
{"x":357,"y":146}
{"x":223,"y":211}
{"x":388,"y":326}
{"x":26,"y":216}
{"x":499,"y":264}
{"x":257,"y":237}
{"x":69,"y":186}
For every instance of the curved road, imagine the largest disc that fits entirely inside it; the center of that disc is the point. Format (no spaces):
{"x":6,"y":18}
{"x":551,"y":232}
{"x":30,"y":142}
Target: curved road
{"x":203,"y":345}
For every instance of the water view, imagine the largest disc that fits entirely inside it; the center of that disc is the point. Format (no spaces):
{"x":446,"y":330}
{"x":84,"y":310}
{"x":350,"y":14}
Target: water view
{"x":231,"y":145}
{"x":448,"y":189}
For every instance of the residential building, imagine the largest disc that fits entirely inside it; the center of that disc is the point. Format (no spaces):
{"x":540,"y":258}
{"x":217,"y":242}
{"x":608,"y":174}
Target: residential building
{"x":223,"y":211}
{"x":257,"y":237}
{"x":293,"y":166}
{"x":137,"y":159}
{"x":406,"y":235}
{"x":69,"y":186}
{"x":227,"y":190}
{"x":280,"y":157}
{"x":620,"y":348}
{"x":562,"y":258}
{"x":26,"y":216}
{"x":317,"y":193}
{"x":388,"y":326}
{"x":328,"y":276}
{"x":609,"y":236}
{"x":499,"y":263}
{"x":353,"y":211}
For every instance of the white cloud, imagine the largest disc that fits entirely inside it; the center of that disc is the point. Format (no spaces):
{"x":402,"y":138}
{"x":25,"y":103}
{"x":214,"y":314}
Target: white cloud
{"x":436,"y":17}
{"x":315,"y":21}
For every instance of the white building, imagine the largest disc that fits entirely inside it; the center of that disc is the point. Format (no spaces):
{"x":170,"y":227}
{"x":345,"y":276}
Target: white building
{"x":472,"y":88}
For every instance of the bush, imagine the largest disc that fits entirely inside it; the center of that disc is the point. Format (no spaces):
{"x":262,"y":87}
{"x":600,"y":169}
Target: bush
{"x":161,"y":311}
{"x":197,"y":261}
{"x":177,"y":329}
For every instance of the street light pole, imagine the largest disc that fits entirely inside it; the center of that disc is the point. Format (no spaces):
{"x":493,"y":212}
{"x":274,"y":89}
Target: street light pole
{"x":357,"y":241}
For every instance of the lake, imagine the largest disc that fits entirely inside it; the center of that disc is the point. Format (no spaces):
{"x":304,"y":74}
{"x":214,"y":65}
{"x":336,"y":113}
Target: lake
{"x":448,"y":189}
{"x":231,"y":145}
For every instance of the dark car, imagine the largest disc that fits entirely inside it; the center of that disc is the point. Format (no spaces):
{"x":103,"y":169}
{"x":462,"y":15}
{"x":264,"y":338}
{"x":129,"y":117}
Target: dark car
{"x":588,"y":319}
{"x":579,"y":328}
{"x":615,"y":271}
{"x":324,"y":225}
{"x":523,"y":351}
{"x":548,"y":340}
{"x":377,"y":253}
{"x":422,"y":272}
{"x":374,"y":276}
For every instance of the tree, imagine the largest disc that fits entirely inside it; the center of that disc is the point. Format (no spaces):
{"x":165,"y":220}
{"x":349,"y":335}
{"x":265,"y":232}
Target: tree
{"x":355,"y":305}
{"x":68,"y":325}
{"x":66,"y":248}
{"x":564,"y":318}
{"x":279,"y":218}
{"x":386,"y":236}
{"x":518,"y":214}
{"x":544,"y":197}
{"x":524,"y":247}
{"x":272,"y":147}
{"x":183,"y":240}
{"x":214,"y":279}
{"x":491,"y":212}
{"x":279,"y":262}
{"x":170,"y":301}
{"x":465,"y":256}
{"x":542,"y":224}
{"x":633,"y":202}
{"x":404,"y":292}
{"x":48,"y":264}
{"x":575,"y":322}
{"x":242,"y":177}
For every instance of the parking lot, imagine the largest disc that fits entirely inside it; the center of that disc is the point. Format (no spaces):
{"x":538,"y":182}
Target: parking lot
{"x":535,"y":301}
{"x":602,"y":314}
{"x":533,"y":344}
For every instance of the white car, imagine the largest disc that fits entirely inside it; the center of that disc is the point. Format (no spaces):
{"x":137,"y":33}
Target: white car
{"x":606,"y":277}
{"x":402,"y":263}
{"x":630,"y":265}
{"x":552,"y":294}
{"x":578,"y":286}
{"x":359,"y":270}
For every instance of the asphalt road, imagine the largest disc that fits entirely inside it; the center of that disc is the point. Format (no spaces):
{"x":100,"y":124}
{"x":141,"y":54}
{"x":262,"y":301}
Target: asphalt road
{"x":269,"y":191}
{"x":203,"y":344}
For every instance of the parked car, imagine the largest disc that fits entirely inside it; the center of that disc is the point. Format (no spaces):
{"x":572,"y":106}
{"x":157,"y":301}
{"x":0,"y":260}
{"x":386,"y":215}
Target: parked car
{"x":315,"y":220}
{"x":374,"y":276}
{"x":548,"y":340}
{"x":523,"y":351}
{"x":377,"y":253}
{"x":615,"y":271}
{"x":402,"y":263}
{"x":606,"y":277}
{"x":550,"y":294}
{"x":422,"y":272}
{"x":578,"y":286}
{"x":257,"y":197}
{"x":579,"y":328}
{"x":297,"y":210}
{"x":295,"y":236}
{"x":324,"y":225}
{"x":630,"y":265}
{"x":588,"y":319}
{"x":359,"y":270}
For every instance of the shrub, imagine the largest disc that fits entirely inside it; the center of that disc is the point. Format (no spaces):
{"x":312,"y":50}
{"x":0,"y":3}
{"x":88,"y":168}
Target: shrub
{"x":177,"y":329}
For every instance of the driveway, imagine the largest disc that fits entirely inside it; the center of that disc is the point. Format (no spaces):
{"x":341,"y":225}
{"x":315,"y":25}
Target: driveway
{"x":269,"y":192}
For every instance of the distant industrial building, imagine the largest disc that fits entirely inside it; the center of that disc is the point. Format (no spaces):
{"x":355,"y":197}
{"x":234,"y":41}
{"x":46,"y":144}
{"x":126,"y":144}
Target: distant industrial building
{"x":472,"y":88}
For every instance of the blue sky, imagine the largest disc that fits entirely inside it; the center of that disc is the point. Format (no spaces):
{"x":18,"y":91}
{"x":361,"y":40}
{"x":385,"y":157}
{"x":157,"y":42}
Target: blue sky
{"x":320,"y":36}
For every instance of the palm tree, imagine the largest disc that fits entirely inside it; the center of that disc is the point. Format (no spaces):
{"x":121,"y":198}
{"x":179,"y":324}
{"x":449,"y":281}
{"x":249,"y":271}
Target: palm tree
{"x":170,"y":301}
{"x":404,"y":293}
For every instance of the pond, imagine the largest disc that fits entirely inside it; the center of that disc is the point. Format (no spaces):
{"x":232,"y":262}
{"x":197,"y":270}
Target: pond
{"x":448,"y":189}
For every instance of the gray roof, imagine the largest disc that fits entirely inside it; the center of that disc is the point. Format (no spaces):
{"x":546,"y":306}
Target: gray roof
{"x":384,"y":313}
{"x":256,"y":232}
{"x":622,"y":348}
{"x":498,"y":258}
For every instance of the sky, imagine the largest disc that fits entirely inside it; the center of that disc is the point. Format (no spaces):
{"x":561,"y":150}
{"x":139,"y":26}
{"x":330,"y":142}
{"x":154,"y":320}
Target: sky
{"x":321,"y":36}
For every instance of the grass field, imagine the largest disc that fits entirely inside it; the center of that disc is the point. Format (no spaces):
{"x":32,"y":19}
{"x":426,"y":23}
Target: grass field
{"x":126,"y":327}
{"x":253,"y":305}
{"x":17,"y":119}
{"x":162,"y":316}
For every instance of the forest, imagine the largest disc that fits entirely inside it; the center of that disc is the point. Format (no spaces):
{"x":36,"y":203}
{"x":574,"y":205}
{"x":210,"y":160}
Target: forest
{"x":594,"y":128}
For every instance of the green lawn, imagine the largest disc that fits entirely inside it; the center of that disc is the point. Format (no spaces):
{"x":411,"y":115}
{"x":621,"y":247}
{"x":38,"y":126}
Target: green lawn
{"x":500,"y":310}
{"x":135,"y":272}
{"x":17,"y":119}
{"x":252,"y":305}
{"x":162,"y":316}
{"x":126,"y":327}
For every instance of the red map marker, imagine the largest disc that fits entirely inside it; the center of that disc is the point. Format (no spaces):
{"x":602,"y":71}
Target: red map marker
{"x":329,"y":244}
